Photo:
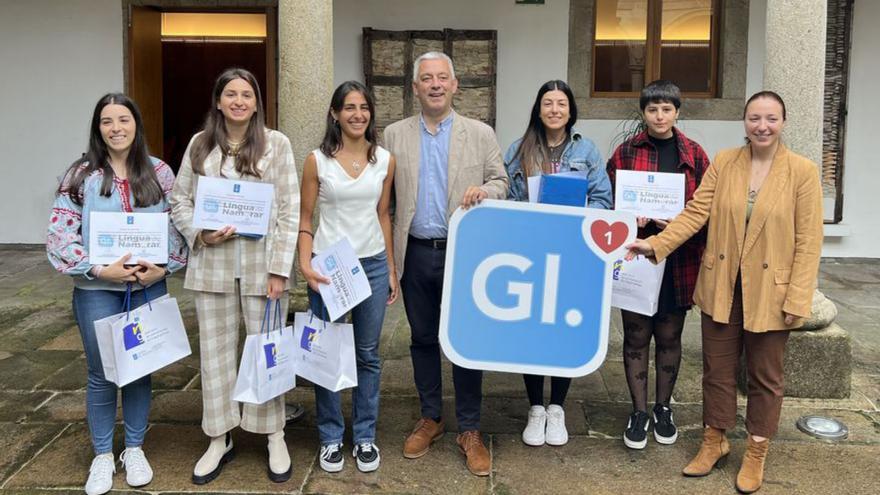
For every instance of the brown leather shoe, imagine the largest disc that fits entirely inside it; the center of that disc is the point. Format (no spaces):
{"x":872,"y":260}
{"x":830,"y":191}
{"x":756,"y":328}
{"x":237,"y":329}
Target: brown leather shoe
{"x":751,"y":473}
{"x":712,"y":452}
{"x":426,"y":432}
{"x":471,"y":445}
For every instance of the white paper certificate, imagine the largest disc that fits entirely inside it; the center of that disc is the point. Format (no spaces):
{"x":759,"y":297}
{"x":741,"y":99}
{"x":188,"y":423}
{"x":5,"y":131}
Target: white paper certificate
{"x":242,"y":204}
{"x":649,"y":194}
{"x":348,"y":283}
{"x":112,"y":234}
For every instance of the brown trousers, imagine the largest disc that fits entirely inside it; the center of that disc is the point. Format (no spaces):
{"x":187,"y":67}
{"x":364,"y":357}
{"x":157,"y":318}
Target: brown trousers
{"x":722,"y":345}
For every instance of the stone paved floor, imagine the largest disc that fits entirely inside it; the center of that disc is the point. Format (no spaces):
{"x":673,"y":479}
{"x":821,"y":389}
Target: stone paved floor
{"x":44,"y":445}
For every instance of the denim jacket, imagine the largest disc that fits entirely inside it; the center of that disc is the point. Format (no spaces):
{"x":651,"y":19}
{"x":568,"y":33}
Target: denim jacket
{"x":579,"y":154}
{"x":67,"y":238}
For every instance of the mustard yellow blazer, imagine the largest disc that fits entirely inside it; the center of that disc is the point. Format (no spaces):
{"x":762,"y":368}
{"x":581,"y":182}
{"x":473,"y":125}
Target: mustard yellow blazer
{"x":777,"y":253}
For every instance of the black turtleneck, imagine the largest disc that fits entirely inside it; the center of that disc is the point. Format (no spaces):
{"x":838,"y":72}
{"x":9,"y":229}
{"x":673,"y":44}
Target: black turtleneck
{"x":668,"y":150}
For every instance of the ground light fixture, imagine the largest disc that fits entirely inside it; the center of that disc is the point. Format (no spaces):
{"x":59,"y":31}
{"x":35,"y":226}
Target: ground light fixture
{"x":823,"y":428}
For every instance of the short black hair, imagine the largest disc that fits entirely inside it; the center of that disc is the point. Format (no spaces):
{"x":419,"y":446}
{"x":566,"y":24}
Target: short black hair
{"x":660,"y":91}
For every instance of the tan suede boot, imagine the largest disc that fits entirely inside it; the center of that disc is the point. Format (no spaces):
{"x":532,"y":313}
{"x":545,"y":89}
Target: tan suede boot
{"x":751,"y":473}
{"x":713,"y":451}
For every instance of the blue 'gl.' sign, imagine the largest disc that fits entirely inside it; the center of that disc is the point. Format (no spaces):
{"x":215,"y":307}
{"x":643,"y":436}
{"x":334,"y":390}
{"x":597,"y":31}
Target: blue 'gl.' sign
{"x":527,"y":286}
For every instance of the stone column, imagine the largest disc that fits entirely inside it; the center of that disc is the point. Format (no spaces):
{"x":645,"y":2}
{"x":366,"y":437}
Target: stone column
{"x":305,"y":83}
{"x":305,"y":71}
{"x":794,"y":67}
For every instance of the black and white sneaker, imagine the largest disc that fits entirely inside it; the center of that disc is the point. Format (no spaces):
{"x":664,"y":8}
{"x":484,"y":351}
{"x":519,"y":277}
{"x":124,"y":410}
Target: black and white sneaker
{"x":665,"y":431}
{"x":332,"y":459}
{"x":367,"y":455}
{"x":636,"y":434}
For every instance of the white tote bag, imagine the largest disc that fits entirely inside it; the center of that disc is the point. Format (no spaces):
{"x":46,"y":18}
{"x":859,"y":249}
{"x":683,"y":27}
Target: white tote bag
{"x":138,"y":342}
{"x":325,"y":352}
{"x":635,"y":285}
{"x":267,"y":365}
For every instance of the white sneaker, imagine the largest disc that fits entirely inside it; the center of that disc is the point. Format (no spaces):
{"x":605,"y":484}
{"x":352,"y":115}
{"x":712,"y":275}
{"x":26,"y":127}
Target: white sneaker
{"x":101,"y":474}
{"x":534,"y":433}
{"x":556,"y":432}
{"x":137,"y":470}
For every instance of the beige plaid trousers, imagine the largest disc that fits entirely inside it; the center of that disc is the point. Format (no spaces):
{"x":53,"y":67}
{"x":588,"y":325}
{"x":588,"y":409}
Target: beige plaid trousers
{"x":219,"y":317}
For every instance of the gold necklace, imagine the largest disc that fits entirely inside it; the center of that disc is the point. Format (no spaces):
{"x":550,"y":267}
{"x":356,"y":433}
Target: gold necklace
{"x":233,"y":147}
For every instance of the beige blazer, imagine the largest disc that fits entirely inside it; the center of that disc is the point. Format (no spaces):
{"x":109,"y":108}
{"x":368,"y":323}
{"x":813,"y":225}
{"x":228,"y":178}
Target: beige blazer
{"x":474,"y":160}
{"x":211,"y":268}
{"x":777,"y":253}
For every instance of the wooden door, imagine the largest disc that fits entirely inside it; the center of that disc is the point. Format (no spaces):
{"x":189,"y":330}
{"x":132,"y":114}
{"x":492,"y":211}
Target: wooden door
{"x":145,"y":71}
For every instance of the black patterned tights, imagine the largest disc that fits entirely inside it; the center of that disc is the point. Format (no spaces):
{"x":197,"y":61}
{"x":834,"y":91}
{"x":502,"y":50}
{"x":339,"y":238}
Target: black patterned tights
{"x":637,"y":331}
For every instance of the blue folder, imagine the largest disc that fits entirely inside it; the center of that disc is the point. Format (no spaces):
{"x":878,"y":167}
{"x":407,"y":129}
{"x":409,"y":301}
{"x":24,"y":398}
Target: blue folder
{"x":566,"y":190}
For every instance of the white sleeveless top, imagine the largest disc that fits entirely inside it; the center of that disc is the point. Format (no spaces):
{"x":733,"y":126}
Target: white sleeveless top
{"x":347,"y":206}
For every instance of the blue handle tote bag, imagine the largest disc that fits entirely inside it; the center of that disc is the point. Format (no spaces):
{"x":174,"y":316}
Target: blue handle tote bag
{"x":267,"y":365}
{"x":139,"y":341}
{"x":325,"y":352}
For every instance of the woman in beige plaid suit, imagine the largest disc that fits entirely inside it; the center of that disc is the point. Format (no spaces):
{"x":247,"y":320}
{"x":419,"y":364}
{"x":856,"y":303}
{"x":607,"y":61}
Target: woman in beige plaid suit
{"x":232,"y":275}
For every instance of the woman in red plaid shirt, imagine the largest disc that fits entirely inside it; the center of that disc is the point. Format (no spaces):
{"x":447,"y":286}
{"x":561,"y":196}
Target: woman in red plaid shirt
{"x":660,"y":148}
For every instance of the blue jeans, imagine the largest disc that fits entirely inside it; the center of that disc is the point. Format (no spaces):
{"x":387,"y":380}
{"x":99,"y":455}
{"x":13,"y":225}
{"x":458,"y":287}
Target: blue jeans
{"x":88,"y":306}
{"x":367,"y":318}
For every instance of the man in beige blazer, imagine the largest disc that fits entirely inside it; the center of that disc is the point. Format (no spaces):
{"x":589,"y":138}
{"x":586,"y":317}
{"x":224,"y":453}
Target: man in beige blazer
{"x":444,"y":160}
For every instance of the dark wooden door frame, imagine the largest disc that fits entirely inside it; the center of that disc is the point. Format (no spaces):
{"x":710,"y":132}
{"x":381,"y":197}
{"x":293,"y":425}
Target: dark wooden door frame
{"x":268,"y":7}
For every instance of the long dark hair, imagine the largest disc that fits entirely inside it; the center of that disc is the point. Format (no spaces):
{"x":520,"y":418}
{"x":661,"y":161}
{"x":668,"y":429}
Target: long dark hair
{"x":214,"y":131}
{"x":141,"y":175}
{"x":332,"y":141}
{"x":533,"y":149}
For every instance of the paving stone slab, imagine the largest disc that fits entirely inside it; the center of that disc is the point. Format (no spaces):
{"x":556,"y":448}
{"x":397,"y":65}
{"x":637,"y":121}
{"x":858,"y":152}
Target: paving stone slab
{"x":15,"y":405}
{"x":868,"y":386}
{"x":174,"y":449}
{"x":597,"y":467}
{"x":68,"y":340}
{"x":63,"y":407}
{"x":862,"y":428}
{"x":807,"y":469}
{"x":72,"y":376}
{"x":19,"y":443}
{"x":24,"y":370}
{"x":441,"y":471}
{"x":177,"y":407}
{"x":63,"y":463}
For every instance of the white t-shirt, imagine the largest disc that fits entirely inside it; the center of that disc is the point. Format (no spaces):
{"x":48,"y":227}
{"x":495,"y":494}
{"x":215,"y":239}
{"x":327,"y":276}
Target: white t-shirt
{"x":347,"y":206}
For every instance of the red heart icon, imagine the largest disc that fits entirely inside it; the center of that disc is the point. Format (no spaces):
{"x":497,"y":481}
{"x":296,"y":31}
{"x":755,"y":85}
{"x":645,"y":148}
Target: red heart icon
{"x":608,"y":237}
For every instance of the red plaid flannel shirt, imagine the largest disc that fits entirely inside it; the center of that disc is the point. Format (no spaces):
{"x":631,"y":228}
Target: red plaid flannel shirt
{"x":638,"y":153}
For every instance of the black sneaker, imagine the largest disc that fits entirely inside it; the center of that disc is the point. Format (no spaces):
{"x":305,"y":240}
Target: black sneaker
{"x":665,"y":431}
{"x":332,"y":460}
{"x":367,"y":455}
{"x":636,"y":434}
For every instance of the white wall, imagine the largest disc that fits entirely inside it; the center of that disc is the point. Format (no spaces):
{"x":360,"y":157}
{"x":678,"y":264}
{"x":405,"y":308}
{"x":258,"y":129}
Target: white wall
{"x":861,"y":176}
{"x":532,"y":43}
{"x":532,"y":48}
{"x":58,"y":57}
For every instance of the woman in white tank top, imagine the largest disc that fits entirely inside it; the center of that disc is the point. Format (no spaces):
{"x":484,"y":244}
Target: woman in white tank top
{"x":349,"y":178}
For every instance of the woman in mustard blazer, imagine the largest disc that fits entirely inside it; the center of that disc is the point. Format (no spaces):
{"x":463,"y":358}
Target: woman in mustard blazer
{"x":756,"y":280}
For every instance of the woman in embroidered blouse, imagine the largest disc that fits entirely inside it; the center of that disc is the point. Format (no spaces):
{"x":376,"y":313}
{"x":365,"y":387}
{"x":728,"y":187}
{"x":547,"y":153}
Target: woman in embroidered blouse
{"x":349,"y":177}
{"x":231,"y":274}
{"x":115,"y":175}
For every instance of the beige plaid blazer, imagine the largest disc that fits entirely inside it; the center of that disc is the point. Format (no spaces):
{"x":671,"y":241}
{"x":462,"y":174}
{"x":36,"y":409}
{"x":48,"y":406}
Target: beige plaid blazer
{"x":474,"y":160}
{"x":211,"y":269}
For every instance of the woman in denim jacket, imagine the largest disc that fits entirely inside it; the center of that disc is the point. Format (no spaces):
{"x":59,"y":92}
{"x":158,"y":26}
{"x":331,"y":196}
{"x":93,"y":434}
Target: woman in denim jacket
{"x":115,"y":175}
{"x":550,"y":146}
